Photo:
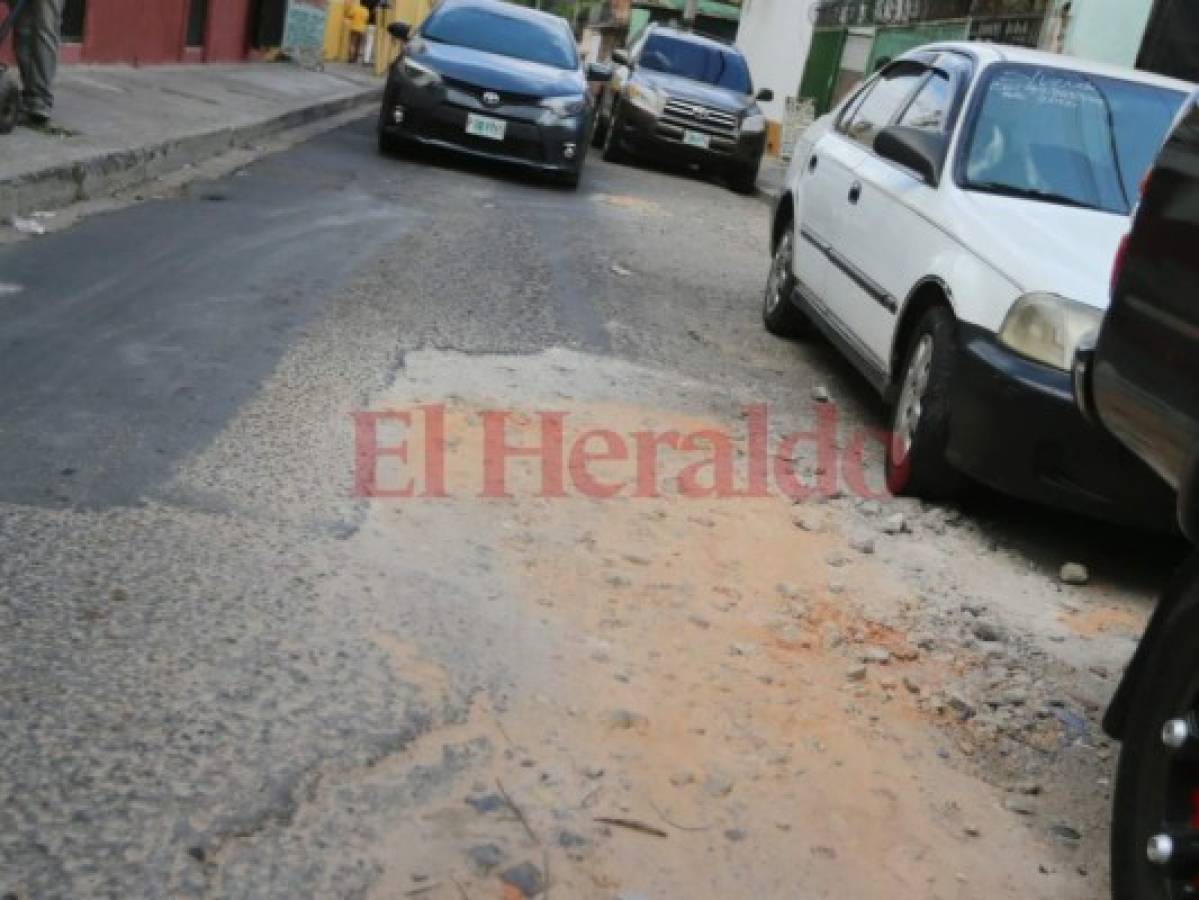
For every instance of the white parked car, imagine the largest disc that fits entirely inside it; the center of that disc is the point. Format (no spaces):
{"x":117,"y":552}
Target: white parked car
{"x":951,"y":227}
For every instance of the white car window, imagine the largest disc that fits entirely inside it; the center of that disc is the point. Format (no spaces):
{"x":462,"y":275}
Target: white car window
{"x":883,"y":103}
{"x":930,"y":107}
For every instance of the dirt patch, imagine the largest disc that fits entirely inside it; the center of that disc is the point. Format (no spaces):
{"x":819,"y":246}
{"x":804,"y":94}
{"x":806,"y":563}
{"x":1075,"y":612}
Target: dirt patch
{"x":727,"y":714}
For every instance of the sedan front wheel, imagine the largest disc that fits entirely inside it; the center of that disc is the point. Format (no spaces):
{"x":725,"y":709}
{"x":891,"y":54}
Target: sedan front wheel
{"x":779,"y":313}
{"x":916,"y":462}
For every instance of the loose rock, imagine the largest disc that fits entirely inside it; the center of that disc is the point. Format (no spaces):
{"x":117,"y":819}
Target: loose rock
{"x":626,"y":720}
{"x":526,"y":878}
{"x":862,"y":543}
{"x":1075,"y":573}
{"x":485,"y":857}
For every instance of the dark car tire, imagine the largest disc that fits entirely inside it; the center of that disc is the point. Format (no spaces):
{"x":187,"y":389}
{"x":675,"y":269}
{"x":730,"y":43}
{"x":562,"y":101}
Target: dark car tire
{"x":10,"y":104}
{"x":779,"y":314}
{"x":744,"y":179}
{"x":571,"y":180}
{"x":390,"y":145}
{"x":613,"y":152}
{"x":600,"y":131}
{"x":1170,"y":690}
{"x":916,"y":463}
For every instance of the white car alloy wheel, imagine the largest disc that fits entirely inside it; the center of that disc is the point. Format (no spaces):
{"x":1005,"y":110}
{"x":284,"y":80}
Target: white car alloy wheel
{"x":911,"y":399}
{"x":779,"y":314}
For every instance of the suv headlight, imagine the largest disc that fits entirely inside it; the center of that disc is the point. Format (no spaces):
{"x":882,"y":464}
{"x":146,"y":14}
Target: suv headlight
{"x":754,"y":124}
{"x":565,"y":107}
{"x":652,"y":101}
{"x":419,"y":75}
{"x":1047,"y":328}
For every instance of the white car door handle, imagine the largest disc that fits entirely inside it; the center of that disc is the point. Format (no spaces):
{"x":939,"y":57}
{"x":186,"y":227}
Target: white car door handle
{"x":855,"y":192}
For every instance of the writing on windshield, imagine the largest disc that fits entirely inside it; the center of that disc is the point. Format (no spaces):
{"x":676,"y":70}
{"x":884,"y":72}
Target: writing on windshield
{"x":1067,"y":137}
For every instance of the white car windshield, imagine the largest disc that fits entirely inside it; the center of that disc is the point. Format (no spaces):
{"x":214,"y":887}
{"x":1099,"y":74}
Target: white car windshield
{"x":1067,"y":137}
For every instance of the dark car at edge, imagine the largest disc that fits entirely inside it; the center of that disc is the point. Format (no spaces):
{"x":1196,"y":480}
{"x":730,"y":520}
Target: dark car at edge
{"x":1140,"y":381}
{"x":682,"y":98}
{"x":492,"y":80}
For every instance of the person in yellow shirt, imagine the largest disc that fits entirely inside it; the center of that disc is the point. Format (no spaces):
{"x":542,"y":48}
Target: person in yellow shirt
{"x":358,"y":17}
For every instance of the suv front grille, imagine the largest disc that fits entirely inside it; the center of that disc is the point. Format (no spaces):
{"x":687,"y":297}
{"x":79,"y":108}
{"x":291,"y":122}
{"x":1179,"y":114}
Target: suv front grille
{"x":698,"y":117}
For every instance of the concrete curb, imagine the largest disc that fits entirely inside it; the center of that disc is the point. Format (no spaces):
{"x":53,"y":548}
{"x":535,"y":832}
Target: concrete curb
{"x":108,"y":172}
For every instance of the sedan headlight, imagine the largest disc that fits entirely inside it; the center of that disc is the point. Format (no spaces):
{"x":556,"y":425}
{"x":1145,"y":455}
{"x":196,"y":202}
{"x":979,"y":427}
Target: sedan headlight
{"x":1047,"y":328}
{"x":754,"y":124}
{"x":420,"y":75}
{"x":565,"y":107}
{"x":646,"y":98}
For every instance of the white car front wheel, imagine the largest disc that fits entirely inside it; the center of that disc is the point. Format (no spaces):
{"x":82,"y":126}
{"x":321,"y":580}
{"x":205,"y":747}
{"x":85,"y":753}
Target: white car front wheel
{"x":916,"y":462}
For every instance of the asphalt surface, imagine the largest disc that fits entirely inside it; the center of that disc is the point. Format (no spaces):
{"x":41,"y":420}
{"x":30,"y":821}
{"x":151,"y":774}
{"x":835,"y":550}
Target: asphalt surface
{"x":188,"y":588}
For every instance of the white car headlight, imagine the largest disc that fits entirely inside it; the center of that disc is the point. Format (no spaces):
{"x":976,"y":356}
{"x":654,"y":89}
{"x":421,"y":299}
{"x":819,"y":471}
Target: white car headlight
{"x":1047,"y":328}
{"x":754,"y":124}
{"x":419,"y":75}
{"x":565,"y":107}
{"x":645,"y":98}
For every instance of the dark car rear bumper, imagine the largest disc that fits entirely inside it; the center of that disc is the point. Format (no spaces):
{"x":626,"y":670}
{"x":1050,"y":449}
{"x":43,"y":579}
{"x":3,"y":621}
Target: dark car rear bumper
{"x":528,"y":143}
{"x":1015,"y":427}
{"x":641,"y":133}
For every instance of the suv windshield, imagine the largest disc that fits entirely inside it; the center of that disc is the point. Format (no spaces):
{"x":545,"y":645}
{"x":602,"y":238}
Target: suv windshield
{"x":493,"y":32}
{"x":1067,"y":137}
{"x":698,"y":62}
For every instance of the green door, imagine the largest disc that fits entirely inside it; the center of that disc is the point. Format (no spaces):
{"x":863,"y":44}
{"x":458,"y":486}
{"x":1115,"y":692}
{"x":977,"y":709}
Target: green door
{"x":820,"y":71}
{"x":892,"y":42}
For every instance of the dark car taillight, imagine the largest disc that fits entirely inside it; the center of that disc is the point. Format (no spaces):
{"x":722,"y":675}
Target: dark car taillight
{"x":1122,"y":251}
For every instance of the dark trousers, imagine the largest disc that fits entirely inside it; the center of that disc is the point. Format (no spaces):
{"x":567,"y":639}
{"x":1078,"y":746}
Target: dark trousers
{"x":35,"y":40}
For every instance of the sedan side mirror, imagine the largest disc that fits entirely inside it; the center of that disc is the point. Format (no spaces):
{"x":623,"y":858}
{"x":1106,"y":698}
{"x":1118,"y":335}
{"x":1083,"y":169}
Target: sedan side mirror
{"x":917,"y":149}
{"x":599,"y":72}
{"x":765,"y":95}
{"x":620,"y":57}
{"x":399,"y":30}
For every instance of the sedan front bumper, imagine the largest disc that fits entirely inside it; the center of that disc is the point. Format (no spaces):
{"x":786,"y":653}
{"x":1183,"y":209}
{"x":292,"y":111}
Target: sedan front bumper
{"x":437,"y":116}
{"x":1015,"y":427}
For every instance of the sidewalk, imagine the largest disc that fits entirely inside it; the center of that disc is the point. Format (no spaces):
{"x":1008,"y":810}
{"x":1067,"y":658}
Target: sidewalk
{"x":122,"y":126}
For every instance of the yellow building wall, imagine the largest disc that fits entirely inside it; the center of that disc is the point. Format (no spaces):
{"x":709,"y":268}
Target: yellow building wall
{"x":411,"y":11}
{"x":337,"y":32}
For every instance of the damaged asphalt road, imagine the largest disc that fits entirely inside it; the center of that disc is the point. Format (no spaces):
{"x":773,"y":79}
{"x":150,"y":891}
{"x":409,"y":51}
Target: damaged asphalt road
{"x":224,"y":675}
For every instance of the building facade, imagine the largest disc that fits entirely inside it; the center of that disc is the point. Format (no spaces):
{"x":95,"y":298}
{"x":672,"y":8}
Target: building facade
{"x":818,"y":50}
{"x":152,"y":32}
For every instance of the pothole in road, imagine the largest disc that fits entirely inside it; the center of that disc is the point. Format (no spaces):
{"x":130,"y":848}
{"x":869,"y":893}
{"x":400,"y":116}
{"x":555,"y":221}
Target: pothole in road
{"x":736,"y":695}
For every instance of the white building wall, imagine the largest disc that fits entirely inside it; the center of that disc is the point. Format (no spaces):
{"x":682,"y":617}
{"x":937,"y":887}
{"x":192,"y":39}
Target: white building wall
{"x":774,"y":36}
{"x":1108,"y":31}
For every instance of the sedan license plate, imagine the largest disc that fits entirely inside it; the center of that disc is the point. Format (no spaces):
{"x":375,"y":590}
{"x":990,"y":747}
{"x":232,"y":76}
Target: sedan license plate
{"x":697,"y":139}
{"x":482,"y":126}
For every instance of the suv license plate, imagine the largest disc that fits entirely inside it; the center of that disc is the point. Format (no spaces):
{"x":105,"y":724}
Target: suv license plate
{"x":482,"y":126}
{"x":697,"y":139}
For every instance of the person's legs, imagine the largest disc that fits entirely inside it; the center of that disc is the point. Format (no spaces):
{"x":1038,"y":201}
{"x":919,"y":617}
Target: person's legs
{"x":35,"y":40}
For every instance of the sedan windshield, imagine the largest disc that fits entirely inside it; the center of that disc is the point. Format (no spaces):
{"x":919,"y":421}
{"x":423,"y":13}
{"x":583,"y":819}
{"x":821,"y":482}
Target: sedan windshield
{"x":1067,"y":137}
{"x":698,"y":62}
{"x":515,"y":36}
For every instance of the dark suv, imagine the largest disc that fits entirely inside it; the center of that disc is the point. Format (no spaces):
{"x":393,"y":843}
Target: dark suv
{"x":1141,"y":382}
{"x":680,"y":97}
